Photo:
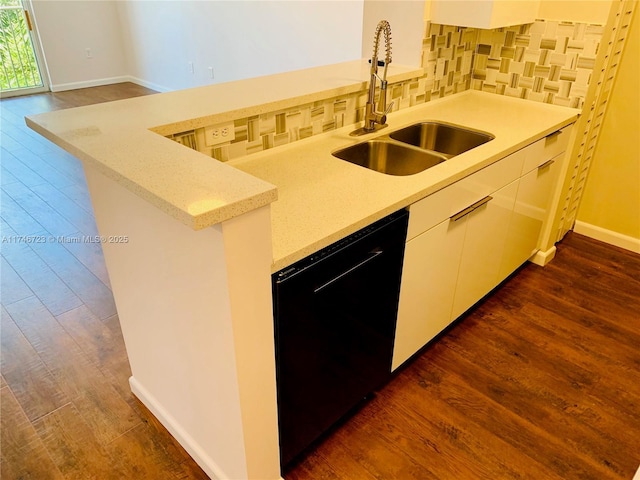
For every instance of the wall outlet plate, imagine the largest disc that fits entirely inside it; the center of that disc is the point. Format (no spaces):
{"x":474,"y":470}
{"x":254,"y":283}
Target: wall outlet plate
{"x":217,"y":134}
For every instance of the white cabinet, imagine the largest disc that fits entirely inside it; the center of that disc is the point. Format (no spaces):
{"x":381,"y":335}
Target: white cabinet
{"x":428,"y":284}
{"x":465,"y":239}
{"x":542,"y":164}
{"x":484,"y":13}
{"x":529,"y":214}
{"x":437,"y":242}
{"x":485,"y":237}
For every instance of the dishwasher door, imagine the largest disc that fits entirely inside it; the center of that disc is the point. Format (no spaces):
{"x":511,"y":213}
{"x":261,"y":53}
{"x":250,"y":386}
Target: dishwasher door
{"x":335,"y":317}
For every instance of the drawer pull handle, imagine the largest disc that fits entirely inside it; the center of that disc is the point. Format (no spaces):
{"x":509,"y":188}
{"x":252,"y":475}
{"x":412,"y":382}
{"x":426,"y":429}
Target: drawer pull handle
{"x":553,"y":134}
{"x":471,"y":208}
{"x":546,"y":164}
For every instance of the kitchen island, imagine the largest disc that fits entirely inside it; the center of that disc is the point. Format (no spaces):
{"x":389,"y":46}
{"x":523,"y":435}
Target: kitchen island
{"x":192,"y":282}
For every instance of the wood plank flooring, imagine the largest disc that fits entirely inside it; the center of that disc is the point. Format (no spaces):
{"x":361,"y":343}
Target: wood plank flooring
{"x":539,"y":381}
{"x":66,"y":408}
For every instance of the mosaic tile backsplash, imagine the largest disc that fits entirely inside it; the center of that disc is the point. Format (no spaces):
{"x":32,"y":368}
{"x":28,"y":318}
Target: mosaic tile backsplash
{"x":260,"y":132}
{"x":549,"y":62}
{"x":546,"y":61}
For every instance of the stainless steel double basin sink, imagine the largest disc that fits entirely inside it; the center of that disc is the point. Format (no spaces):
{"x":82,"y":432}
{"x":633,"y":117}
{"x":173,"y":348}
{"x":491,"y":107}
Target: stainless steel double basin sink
{"x":413,"y":149}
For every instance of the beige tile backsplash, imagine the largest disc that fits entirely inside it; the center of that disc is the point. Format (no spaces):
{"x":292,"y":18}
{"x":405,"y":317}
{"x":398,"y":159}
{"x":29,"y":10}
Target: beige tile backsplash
{"x":547,"y":61}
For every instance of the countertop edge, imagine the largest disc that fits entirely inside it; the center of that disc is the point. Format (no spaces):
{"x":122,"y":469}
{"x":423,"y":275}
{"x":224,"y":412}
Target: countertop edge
{"x":407,"y":73}
{"x":259,"y":198}
{"x":215,"y":192}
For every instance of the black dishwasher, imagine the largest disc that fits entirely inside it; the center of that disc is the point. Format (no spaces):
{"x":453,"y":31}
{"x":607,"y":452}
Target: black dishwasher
{"x":335,"y":318}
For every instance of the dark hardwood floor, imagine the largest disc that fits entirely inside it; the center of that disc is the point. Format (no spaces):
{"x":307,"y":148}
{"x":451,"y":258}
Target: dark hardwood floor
{"x":66,"y":408}
{"x":540,"y":381}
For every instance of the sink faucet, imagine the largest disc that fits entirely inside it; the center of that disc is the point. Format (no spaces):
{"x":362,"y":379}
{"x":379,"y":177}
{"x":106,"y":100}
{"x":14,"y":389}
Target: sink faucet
{"x":373,"y":119}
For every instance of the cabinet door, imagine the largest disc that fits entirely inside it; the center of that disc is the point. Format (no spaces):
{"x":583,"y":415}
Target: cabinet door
{"x":484,"y":13}
{"x":530,"y":212}
{"x":484,"y":243}
{"x":427,"y":288}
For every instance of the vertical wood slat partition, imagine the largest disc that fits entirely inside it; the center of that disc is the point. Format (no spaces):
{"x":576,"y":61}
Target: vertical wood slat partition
{"x":588,"y":126}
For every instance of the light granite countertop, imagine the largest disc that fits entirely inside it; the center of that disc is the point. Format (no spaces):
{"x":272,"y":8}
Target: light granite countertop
{"x":315,"y":198}
{"x":321,"y":198}
{"x":125,"y":139}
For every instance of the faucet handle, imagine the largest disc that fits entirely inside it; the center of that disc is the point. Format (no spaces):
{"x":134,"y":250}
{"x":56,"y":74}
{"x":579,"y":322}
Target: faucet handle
{"x":382,"y":117}
{"x":380,"y":63}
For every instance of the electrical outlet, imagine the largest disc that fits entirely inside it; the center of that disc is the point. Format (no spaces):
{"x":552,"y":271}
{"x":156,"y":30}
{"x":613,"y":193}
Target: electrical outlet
{"x":217,"y":134}
{"x":211,"y":72}
{"x":87,"y":52}
{"x":190,"y":67}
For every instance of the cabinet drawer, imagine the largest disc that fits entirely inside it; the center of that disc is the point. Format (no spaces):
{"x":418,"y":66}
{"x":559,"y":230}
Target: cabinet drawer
{"x":546,"y":148}
{"x":445,"y":203}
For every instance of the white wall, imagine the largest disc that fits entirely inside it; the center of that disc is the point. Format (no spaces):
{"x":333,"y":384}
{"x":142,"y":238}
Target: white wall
{"x":153,"y":41}
{"x":239,"y":39}
{"x":407,"y":28}
{"x":67,"y":29}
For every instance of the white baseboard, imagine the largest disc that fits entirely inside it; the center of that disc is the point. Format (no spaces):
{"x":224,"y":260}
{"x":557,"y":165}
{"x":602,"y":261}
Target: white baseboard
{"x":607,"y":236}
{"x":210,"y":467}
{"x":151,"y":85}
{"x":61,"y":87}
{"x":542,"y":258}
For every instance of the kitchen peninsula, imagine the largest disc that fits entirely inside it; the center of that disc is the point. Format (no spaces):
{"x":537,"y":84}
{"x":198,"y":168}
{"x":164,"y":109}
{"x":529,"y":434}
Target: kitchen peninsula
{"x":192,"y":284}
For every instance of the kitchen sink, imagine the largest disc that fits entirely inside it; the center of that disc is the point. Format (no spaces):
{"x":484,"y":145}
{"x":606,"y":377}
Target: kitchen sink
{"x":392,"y":158}
{"x":413,"y":149}
{"x":449,"y":140}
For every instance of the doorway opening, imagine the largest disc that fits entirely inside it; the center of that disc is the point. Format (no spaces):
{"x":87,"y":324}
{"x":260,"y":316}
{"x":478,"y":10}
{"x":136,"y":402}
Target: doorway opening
{"x":21,"y":70}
